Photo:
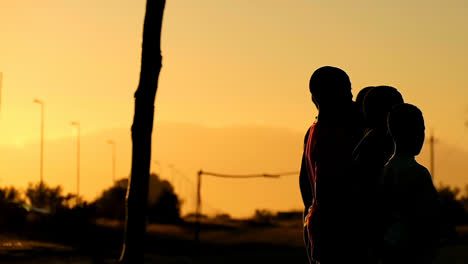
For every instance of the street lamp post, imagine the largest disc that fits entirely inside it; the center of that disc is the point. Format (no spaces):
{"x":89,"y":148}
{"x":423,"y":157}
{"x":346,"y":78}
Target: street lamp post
{"x":77,"y":124}
{"x":112,"y":142}
{"x":1,"y":82}
{"x":159,"y":171}
{"x":37,"y":101}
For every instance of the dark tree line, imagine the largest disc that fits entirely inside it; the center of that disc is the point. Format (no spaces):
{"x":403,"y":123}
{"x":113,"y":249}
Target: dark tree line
{"x":41,"y":204}
{"x":163,"y":203}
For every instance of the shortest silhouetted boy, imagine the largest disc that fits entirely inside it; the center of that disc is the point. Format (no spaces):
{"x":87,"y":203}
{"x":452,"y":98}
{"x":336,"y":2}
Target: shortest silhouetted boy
{"x":410,"y":201}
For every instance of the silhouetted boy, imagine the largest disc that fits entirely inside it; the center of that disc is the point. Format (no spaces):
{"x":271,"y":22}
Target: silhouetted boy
{"x":326,"y":179}
{"x":376,"y":146}
{"x":371,"y":155}
{"x":410,"y":199}
{"x":360,"y":104}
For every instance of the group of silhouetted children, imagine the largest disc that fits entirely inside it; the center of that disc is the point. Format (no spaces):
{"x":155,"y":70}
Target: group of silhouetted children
{"x":366,"y":198}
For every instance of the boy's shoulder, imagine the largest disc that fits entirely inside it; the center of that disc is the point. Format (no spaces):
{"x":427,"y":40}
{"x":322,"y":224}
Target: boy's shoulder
{"x":367,"y":147}
{"x":407,"y":166}
{"x":422,"y":177}
{"x":421,"y":169}
{"x":408,"y":171}
{"x":404,"y":162}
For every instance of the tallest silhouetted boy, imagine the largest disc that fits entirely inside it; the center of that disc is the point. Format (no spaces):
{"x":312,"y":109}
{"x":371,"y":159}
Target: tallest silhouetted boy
{"x":326,"y":180}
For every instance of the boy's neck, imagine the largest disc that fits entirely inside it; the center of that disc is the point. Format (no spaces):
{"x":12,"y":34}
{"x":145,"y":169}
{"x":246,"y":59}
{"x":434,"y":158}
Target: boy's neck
{"x":401,"y":152}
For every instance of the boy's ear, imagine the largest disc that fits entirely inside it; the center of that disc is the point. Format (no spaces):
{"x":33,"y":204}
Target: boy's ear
{"x":315,"y":101}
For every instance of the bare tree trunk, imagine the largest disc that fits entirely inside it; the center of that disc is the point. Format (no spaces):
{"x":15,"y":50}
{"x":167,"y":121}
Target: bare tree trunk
{"x":137,"y":195}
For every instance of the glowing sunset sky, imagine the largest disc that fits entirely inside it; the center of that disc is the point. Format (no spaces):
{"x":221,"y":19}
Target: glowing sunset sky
{"x":225,"y":63}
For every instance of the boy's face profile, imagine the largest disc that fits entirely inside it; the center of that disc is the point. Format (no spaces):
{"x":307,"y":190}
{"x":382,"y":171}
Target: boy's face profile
{"x":406,"y":125}
{"x":419,"y":138}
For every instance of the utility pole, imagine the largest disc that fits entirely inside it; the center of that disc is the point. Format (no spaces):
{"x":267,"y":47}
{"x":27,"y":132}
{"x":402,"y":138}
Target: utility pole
{"x":173,"y":178}
{"x":431,"y":147}
{"x":1,"y":82}
{"x":229,"y":176}
{"x":198,"y":208}
{"x":159,"y":171}
{"x":112,"y":142}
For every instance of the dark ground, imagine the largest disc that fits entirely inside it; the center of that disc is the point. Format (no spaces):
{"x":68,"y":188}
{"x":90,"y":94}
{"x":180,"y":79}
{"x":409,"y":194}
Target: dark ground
{"x":225,"y":241}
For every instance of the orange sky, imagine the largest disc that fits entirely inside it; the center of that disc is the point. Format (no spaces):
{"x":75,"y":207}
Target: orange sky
{"x":225,"y":63}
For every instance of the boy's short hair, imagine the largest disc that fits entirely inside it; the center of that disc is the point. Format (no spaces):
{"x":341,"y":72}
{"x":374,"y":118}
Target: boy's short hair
{"x":406,"y":125}
{"x":330,"y":86}
{"x":361,"y":95}
{"x":378,"y":102}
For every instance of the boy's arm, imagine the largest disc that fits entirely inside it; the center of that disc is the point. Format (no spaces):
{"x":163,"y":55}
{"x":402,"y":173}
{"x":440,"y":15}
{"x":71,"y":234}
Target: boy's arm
{"x":306,"y":193}
{"x":304,"y":183}
{"x":427,"y":195}
{"x":426,"y":205}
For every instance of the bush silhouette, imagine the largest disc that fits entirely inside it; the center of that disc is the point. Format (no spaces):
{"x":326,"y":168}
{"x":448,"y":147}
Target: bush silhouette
{"x":263,"y":217}
{"x":452,"y":209}
{"x":163,"y":203}
{"x":13,"y":214}
{"x":111,"y":203}
{"x":464,"y":200}
{"x":49,"y":198}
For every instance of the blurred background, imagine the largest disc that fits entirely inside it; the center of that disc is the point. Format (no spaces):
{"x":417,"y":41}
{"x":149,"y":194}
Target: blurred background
{"x":233,"y":98}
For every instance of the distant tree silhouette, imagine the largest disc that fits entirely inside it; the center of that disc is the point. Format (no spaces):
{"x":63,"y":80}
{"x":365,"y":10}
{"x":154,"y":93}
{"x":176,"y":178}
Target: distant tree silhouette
{"x":223,"y":216}
{"x":111,"y":203}
{"x":464,"y":199}
{"x":263,"y":216}
{"x":452,"y":210}
{"x":12,"y":214}
{"x":163,"y":203}
{"x":10,"y":195}
{"x":137,"y":196}
{"x":50,"y":198}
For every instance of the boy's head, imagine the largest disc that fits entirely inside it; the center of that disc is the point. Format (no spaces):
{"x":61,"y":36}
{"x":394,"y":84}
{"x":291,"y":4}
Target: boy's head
{"x":377,"y":102}
{"x":406,"y":125}
{"x":360,"y":96}
{"x":359,"y":102}
{"x":330,"y":88}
